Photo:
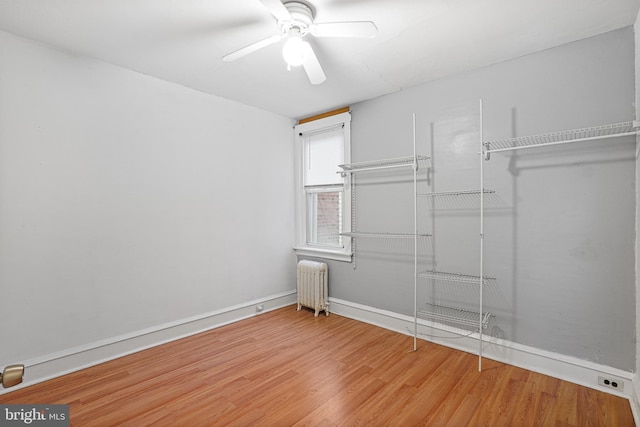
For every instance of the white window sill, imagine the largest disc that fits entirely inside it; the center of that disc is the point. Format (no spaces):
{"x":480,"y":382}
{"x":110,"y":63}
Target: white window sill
{"x":323,"y":253}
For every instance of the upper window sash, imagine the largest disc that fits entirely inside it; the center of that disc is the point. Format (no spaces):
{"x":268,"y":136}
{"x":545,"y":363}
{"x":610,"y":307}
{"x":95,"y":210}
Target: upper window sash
{"x":322,"y":153}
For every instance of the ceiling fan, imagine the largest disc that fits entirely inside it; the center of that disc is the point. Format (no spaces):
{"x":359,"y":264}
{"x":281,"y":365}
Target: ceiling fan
{"x":295,"y":20}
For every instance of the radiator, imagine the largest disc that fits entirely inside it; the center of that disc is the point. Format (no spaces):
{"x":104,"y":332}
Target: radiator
{"x":313,"y":286}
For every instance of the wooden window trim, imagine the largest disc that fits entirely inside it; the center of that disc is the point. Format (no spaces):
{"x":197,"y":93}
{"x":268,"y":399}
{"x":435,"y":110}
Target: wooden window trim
{"x":323,"y":115}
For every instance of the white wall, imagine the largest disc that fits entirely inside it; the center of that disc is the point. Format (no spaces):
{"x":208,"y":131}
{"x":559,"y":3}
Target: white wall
{"x":128,"y":202}
{"x":559,"y":231}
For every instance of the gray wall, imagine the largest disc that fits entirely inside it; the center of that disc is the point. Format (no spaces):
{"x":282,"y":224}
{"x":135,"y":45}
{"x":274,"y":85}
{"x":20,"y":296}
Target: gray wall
{"x":560,"y":228}
{"x":127,"y":202}
{"x":637,"y":247}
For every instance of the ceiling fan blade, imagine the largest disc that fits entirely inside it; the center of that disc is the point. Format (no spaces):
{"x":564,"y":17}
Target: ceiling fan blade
{"x":363,"y":29}
{"x":277,"y":9}
{"x":313,"y":68}
{"x":251,"y":48}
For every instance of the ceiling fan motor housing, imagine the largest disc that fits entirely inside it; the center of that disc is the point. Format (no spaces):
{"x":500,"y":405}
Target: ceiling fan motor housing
{"x":301,"y":17}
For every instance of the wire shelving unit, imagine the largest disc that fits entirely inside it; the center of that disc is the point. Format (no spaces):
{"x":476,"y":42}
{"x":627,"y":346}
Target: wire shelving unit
{"x":478,"y":320}
{"x":412,"y":162}
{"x":459,"y":317}
{"x":594,"y":133}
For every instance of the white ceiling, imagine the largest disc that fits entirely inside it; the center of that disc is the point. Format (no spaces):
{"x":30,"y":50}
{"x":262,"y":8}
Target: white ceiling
{"x":183,"y":41}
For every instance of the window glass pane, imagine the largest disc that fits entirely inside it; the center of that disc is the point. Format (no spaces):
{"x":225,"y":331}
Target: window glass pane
{"x":323,"y":153}
{"x":324,"y":222}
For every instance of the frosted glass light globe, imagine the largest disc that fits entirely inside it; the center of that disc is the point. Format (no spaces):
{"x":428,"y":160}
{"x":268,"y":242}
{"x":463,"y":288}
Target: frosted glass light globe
{"x":295,"y":51}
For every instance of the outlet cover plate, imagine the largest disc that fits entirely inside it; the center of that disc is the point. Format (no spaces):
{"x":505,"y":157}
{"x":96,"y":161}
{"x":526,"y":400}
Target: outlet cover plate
{"x":611,"y":382}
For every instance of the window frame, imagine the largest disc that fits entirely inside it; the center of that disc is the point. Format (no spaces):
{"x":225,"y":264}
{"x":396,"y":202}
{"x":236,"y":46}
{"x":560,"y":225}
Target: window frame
{"x":301,"y":246}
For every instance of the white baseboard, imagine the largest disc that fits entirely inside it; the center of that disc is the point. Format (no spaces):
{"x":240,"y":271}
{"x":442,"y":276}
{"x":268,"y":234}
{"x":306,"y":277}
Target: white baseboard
{"x":74,"y":359}
{"x":560,"y":366}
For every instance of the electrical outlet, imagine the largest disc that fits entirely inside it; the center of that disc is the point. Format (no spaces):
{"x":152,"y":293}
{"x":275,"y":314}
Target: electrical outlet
{"x":259,"y":308}
{"x":611,"y":382}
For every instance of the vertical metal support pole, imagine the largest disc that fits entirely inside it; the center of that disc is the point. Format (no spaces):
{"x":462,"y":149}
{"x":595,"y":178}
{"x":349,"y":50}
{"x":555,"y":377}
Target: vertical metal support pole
{"x":415,"y":238}
{"x":352,"y":181}
{"x":481,"y":240}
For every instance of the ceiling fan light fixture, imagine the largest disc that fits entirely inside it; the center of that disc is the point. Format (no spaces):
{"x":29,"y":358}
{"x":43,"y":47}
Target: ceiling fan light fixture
{"x":296,"y":19}
{"x":295,"y":51}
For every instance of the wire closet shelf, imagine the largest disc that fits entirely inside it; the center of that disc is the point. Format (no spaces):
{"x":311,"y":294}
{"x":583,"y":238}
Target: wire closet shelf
{"x":454,"y":315}
{"x":454,"y":277}
{"x":357,"y":234}
{"x":565,"y":137}
{"x":397,"y":162}
{"x":456,"y":193}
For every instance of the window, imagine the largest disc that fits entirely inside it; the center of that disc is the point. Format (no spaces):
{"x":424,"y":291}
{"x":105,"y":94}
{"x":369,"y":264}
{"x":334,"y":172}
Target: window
{"x":323,"y":201}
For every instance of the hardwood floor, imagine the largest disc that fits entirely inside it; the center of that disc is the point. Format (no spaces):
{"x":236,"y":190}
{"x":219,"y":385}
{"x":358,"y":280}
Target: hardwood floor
{"x":286,"y":368}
